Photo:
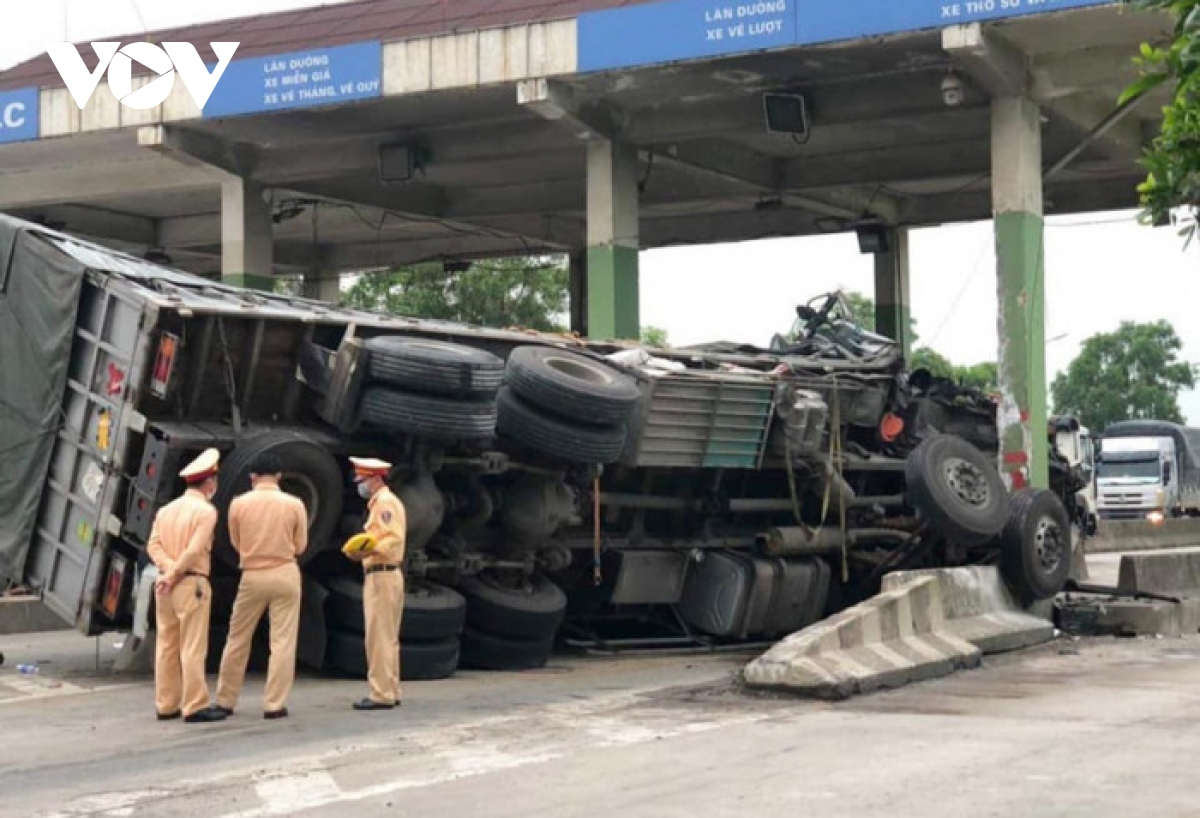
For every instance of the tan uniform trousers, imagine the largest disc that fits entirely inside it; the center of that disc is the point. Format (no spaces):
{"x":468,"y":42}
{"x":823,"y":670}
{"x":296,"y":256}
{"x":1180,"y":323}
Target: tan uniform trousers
{"x":383,"y":607}
{"x":181,"y":647}
{"x":277,"y":590}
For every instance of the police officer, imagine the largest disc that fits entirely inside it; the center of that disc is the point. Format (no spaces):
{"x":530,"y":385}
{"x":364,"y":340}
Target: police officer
{"x":383,"y":583}
{"x":269,"y":530}
{"x":180,"y":546}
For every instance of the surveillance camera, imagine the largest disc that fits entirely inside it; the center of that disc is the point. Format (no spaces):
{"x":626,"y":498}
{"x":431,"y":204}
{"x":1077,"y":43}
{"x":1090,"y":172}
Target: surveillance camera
{"x":952,"y":90}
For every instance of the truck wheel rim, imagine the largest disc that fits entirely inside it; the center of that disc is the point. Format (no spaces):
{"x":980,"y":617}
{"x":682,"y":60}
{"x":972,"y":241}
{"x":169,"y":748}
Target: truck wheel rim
{"x":967,"y":481}
{"x":1048,"y":544}
{"x":579,"y":370}
{"x":303,"y":487}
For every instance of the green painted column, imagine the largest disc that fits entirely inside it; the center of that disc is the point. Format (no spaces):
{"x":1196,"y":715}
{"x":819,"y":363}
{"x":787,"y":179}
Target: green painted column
{"x":1017,"y":205}
{"x":612,"y":230}
{"x":893,"y":314}
{"x":247,"y":252}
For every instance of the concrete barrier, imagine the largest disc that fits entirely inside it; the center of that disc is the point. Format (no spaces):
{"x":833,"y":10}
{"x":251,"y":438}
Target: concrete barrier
{"x":1174,"y":573}
{"x":1139,"y":535}
{"x":892,"y":639}
{"x":980,"y":609}
{"x":27,"y":614}
{"x":922,"y":625}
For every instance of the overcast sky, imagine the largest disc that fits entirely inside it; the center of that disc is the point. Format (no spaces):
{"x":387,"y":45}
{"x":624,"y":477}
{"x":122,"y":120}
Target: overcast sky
{"x":1100,"y":269}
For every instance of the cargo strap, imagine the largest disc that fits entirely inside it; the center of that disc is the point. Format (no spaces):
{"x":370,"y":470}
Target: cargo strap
{"x":596,"y":530}
{"x":835,"y":461}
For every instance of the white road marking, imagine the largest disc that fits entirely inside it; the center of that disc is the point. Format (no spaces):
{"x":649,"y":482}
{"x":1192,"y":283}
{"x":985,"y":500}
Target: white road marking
{"x":284,"y":795}
{"x":444,"y":754}
{"x":31,"y":690}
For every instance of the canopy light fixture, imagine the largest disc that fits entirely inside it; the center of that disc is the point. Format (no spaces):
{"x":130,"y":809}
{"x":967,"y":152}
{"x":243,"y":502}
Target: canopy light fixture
{"x":872,"y":238}
{"x":786,"y":114}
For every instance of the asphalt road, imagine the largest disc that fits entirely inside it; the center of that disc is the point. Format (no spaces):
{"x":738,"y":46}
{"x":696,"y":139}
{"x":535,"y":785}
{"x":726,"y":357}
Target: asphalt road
{"x":1099,"y":727}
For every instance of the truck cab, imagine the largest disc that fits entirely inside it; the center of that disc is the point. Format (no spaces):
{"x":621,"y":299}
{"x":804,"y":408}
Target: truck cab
{"x":1137,"y":478}
{"x":1073,"y":469}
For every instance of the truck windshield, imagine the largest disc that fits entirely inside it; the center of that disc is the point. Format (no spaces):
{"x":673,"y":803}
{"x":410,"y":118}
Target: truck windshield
{"x":1140,"y":470}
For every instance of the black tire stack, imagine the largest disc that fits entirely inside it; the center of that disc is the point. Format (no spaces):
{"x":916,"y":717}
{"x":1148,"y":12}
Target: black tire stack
{"x":510,"y":626}
{"x":429,"y":630}
{"x":565,"y":406}
{"x":431,"y":389}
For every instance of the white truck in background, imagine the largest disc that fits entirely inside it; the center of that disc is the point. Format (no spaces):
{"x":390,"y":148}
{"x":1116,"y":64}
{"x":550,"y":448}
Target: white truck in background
{"x":1147,"y":470}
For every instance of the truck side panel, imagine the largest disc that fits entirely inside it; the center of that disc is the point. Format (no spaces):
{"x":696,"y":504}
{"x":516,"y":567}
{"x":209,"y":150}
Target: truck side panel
{"x":87,"y":479}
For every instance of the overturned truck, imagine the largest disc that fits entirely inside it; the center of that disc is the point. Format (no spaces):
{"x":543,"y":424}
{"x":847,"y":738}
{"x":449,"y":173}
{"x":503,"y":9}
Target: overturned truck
{"x":559,"y":491}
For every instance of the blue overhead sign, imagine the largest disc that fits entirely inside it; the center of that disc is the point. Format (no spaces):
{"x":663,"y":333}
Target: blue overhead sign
{"x":302,"y":79}
{"x":682,"y":30}
{"x":19,"y":115}
{"x":871,"y":18}
{"x":651,"y":33}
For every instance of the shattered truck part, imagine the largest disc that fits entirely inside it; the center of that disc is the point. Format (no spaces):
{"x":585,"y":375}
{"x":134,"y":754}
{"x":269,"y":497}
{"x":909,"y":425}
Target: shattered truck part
{"x":695,"y":452}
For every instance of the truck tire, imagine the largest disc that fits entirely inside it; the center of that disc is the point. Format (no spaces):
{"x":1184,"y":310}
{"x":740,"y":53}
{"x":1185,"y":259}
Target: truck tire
{"x":532,"y":611}
{"x":260,"y":647}
{"x":309,"y":472}
{"x":485,"y":651}
{"x":346,"y":653}
{"x":1035,"y":546}
{"x":560,"y":439}
{"x":956,"y":489}
{"x":572,"y":386}
{"x":434,"y":367}
{"x":429,"y":417}
{"x":431,"y":612}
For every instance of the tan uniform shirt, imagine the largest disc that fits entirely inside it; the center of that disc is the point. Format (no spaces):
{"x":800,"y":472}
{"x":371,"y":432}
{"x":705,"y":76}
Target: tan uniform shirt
{"x":182,"y":537}
{"x":267,"y":527}
{"x":387,"y":525}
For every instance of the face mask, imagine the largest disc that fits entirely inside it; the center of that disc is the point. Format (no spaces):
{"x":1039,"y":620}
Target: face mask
{"x":364,"y":491}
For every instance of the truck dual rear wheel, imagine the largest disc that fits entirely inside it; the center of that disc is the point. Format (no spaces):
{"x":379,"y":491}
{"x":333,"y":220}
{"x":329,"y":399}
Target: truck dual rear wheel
{"x":572,"y":386}
{"x":532,"y":609}
{"x":429,"y":417}
{"x":565,"y":440}
{"x":434,"y":367}
{"x":431,"y":611}
{"x":487,"y":651}
{"x":956,"y":490}
{"x":1035,"y":546}
{"x":419,"y":661}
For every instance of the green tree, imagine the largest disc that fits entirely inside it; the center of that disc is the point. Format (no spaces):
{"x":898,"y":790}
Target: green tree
{"x":528,"y":292}
{"x":862,"y":309}
{"x":982,"y":376}
{"x":654,"y":337}
{"x":935,"y":362}
{"x":1173,"y":159}
{"x":1133,"y":373}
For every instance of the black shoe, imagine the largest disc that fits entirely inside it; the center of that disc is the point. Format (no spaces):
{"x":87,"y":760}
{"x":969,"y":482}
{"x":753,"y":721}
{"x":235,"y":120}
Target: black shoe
{"x":169,"y":716}
{"x":228,"y":711}
{"x":281,"y":713}
{"x":208,"y":714}
{"x":371,"y":704}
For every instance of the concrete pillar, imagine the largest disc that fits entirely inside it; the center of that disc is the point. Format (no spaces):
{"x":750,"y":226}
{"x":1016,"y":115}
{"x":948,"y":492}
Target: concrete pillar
{"x":246,"y":248}
{"x":1018,"y":212}
{"x":323,"y":288}
{"x":577,"y":292}
{"x":893,"y":316}
{"x":612,"y":231}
